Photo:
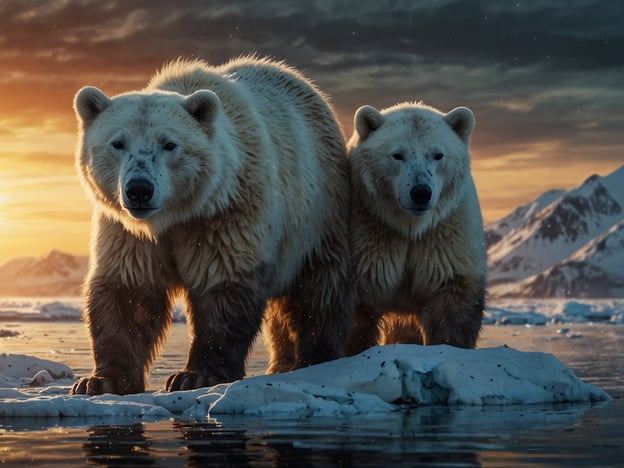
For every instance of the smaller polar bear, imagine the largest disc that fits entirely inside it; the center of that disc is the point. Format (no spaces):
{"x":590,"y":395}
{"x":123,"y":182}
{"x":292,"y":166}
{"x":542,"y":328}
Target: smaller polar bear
{"x":417,"y":232}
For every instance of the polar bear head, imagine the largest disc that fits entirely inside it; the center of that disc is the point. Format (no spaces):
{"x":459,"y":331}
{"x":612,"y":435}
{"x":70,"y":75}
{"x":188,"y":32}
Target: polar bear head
{"x":148,"y":159}
{"x":412,"y":158}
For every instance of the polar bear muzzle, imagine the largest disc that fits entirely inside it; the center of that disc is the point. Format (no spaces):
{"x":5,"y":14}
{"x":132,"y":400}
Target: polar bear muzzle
{"x":421,"y":194}
{"x":137,"y":198}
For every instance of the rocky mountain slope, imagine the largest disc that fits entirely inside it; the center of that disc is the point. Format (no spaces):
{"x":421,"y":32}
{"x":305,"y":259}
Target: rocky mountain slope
{"x":562,"y":244}
{"x":55,"y":274}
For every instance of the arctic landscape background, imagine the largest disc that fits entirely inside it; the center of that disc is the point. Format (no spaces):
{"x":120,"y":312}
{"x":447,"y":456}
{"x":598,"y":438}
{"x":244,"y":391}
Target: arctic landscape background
{"x":543,"y":78}
{"x":562,"y":244}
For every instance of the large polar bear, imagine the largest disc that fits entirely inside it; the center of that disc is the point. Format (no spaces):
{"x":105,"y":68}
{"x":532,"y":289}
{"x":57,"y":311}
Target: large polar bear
{"x":417,"y":231}
{"x":226,"y":186}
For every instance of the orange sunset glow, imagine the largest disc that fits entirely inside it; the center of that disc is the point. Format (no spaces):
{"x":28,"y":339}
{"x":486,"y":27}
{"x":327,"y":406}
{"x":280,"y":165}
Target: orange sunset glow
{"x":545,"y":86}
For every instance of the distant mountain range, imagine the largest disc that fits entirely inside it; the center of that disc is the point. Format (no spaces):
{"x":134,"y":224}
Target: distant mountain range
{"x":55,"y":274}
{"x":562,"y":244}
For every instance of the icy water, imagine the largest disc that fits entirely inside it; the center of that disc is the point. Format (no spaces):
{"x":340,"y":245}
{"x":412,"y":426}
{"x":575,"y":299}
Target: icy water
{"x":581,"y":435}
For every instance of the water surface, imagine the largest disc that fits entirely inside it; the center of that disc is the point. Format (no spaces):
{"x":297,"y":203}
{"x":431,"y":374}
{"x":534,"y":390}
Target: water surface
{"x":545,"y":435}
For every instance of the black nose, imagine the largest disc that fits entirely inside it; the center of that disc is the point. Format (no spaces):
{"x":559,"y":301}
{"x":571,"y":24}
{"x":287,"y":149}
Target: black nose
{"x":420,"y":194}
{"x":139,"y":190}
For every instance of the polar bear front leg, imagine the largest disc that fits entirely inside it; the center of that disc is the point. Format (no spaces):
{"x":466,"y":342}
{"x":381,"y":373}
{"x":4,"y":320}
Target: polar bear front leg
{"x":453,"y":315}
{"x":126,"y":326}
{"x":223,"y":323}
{"x":364,"y":330}
{"x":319,"y":305}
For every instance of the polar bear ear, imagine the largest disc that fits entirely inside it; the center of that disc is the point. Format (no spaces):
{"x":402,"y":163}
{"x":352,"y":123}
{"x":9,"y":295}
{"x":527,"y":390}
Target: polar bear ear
{"x":367,"y":119}
{"x":203,"y":105}
{"x":462,"y":121}
{"x":89,"y":103}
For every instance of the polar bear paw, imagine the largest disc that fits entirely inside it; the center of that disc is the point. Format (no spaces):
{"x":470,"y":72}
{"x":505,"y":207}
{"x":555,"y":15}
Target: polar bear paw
{"x":94,"y":385}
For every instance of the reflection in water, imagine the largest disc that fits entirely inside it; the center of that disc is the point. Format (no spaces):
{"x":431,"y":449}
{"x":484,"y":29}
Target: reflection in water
{"x":312,"y":442}
{"x":107,"y":445}
{"x":209,"y":444}
{"x":437,"y":435}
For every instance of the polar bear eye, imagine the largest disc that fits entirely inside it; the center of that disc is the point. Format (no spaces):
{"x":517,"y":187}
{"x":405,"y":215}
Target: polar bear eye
{"x":397,"y":156}
{"x":438,"y":156}
{"x":117,"y":145}
{"x":169,"y":146}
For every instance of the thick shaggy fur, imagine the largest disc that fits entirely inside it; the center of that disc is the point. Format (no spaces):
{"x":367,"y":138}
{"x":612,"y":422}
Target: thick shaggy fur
{"x":417,"y":231}
{"x":227,"y":186}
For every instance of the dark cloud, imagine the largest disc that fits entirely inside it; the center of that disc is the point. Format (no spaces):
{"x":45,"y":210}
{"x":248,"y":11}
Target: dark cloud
{"x":581,"y":34}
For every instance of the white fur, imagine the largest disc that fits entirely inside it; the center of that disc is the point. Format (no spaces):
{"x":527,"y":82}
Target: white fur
{"x":227,"y":124}
{"x":398,"y":243}
{"x":380,"y":136}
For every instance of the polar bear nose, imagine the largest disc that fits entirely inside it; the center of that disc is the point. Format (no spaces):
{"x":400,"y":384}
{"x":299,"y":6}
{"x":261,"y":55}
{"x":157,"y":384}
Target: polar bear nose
{"x":139,"y":190}
{"x":420,"y":194}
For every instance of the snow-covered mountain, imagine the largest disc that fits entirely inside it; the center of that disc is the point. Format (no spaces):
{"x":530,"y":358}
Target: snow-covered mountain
{"x":562,"y":244}
{"x":55,"y":274}
{"x":595,"y":270}
{"x":498,"y":229}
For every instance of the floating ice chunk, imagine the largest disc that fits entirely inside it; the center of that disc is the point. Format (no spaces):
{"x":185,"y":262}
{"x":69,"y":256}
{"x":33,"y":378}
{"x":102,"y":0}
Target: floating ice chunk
{"x":379,"y":380}
{"x":20,"y":369}
{"x":411,"y":375}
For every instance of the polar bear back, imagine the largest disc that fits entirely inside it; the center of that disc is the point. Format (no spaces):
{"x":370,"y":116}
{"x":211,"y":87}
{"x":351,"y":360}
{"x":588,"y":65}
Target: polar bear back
{"x":277,"y":113}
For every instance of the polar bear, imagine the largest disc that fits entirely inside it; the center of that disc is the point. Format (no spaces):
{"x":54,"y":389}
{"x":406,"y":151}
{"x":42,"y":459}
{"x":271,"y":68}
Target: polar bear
{"x":226,"y":186}
{"x":417,"y":231}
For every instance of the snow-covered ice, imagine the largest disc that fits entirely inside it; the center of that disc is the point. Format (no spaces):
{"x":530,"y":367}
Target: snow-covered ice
{"x":21,"y":309}
{"x":554,"y":311}
{"x":61,"y":308}
{"x":21,"y":370}
{"x":379,"y":380}
{"x":499,"y":312}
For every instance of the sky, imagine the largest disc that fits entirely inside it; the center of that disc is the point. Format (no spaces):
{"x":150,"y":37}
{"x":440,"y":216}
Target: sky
{"x":545,"y":79}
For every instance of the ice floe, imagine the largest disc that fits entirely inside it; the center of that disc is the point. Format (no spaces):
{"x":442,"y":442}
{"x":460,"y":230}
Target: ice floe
{"x":379,"y":380}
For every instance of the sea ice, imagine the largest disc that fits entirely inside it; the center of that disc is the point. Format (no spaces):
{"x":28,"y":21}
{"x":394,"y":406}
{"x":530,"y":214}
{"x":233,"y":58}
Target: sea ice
{"x":379,"y":380}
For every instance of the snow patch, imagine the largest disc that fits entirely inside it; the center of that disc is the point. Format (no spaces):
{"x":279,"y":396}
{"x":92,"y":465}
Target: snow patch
{"x":20,"y":370}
